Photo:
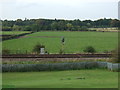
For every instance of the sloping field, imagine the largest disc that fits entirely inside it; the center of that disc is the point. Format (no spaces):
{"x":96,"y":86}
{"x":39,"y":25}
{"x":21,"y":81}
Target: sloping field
{"x":75,"y":42}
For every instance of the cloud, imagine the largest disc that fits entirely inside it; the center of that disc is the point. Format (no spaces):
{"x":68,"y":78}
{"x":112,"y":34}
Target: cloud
{"x":72,"y":3}
{"x":7,"y":1}
{"x":69,"y":9}
{"x":65,"y":1}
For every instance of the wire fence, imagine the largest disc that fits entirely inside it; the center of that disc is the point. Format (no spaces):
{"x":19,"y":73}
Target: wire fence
{"x":15,"y":52}
{"x":19,"y":52}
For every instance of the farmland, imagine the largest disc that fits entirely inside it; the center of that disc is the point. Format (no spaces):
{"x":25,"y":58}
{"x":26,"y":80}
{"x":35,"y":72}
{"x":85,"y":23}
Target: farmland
{"x":6,"y":35}
{"x":69,"y":46}
{"x":95,"y":78}
{"x":105,"y":29}
{"x":75,"y":42}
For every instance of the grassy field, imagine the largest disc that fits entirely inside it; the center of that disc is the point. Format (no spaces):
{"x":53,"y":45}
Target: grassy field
{"x":13,"y":32}
{"x":75,"y":42}
{"x":62,"y":79}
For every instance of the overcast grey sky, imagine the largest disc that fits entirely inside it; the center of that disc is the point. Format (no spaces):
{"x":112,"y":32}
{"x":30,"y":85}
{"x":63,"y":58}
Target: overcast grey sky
{"x":60,"y":9}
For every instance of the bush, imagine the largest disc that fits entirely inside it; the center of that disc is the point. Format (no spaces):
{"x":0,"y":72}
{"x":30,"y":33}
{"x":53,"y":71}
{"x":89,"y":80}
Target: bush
{"x":89,"y":49}
{"x":83,"y":28}
{"x":37,"y":48}
{"x":61,"y":51}
{"x":106,"y":51}
{"x":5,"y":51}
{"x":116,"y":56}
{"x":46,"y":52}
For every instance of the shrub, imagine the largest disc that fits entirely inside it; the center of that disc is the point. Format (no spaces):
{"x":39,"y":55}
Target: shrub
{"x":61,"y":51}
{"x":5,"y":51}
{"x":37,"y":48}
{"x":116,"y":56}
{"x":46,"y":52}
{"x":106,"y":51}
{"x":84,"y":28}
{"x":89,"y":49}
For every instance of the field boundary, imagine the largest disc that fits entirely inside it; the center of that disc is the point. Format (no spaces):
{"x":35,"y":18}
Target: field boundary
{"x":59,"y":66}
{"x":15,"y":36}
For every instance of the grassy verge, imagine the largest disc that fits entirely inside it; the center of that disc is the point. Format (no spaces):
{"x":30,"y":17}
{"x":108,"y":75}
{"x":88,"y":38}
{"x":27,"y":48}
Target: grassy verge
{"x":95,"y":78}
{"x":48,"y":61}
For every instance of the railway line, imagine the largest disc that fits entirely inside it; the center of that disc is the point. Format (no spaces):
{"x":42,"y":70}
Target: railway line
{"x":57,"y":56}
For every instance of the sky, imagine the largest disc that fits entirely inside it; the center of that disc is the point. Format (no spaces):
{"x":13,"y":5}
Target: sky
{"x":59,"y":9}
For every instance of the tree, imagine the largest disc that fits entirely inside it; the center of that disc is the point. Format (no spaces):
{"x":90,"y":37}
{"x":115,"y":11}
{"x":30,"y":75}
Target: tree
{"x":84,"y":28}
{"x":54,"y":26}
{"x":34,"y":28}
{"x":27,"y":28}
{"x":19,"y":22}
{"x":115,"y":23}
{"x":88,"y":25}
{"x":41,"y":23}
{"x":69,"y":26}
{"x":17,"y":28}
{"x":57,"y":24}
{"x":61,"y":25}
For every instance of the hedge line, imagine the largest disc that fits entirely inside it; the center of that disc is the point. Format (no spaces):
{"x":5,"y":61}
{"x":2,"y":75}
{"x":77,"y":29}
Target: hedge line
{"x":15,"y":36}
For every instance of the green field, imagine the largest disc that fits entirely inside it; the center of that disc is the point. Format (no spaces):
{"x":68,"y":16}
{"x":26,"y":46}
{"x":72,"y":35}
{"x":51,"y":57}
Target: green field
{"x":13,"y":32}
{"x":62,"y":79}
{"x":75,"y":42}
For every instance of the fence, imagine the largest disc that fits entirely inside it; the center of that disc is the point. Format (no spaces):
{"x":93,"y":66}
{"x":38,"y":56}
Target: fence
{"x":59,"y":66}
{"x":8,"y":52}
{"x":19,"y":52}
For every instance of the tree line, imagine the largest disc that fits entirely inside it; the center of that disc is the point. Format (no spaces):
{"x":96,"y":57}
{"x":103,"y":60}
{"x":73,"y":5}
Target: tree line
{"x":36,"y":25}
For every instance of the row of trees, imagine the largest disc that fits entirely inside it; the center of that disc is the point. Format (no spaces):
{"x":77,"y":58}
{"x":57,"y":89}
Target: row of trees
{"x":49,"y":24}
